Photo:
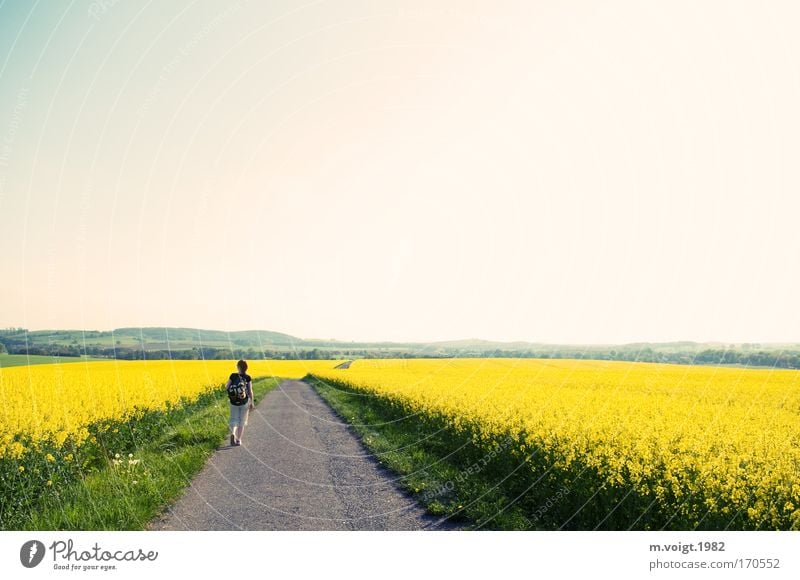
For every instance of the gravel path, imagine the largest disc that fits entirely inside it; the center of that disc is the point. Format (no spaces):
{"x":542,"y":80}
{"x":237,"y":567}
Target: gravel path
{"x":299,"y":468}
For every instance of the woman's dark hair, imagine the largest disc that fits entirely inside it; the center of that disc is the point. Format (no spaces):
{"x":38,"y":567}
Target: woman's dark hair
{"x":242,"y":365}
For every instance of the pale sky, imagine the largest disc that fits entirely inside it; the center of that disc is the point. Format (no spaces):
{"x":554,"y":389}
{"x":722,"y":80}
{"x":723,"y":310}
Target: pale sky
{"x":560,"y":171}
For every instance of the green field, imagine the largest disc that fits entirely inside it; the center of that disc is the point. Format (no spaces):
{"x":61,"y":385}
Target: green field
{"x":15,"y":360}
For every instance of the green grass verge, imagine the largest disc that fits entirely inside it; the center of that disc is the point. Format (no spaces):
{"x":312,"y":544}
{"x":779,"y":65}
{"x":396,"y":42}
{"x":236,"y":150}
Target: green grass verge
{"x":16,"y":360}
{"x":127,"y":496}
{"x":447,"y":475}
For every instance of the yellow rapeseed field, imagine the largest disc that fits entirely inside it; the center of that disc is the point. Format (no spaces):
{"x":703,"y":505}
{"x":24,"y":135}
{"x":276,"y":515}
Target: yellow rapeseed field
{"x":704,"y":445}
{"x":52,"y":403}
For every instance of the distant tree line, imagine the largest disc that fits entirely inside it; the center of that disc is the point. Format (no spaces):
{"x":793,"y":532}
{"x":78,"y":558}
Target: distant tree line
{"x":777,"y":359}
{"x":128,"y":353}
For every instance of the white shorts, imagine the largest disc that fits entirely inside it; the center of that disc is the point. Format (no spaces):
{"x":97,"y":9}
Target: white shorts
{"x":239,"y":414}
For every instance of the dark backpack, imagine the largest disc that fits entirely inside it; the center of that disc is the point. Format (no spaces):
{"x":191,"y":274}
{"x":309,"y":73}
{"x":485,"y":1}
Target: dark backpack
{"x":237,"y":392}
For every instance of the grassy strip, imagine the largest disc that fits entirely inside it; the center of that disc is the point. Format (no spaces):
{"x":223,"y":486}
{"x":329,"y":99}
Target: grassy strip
{"x":16,"y":360}
{"x":126,"y":492}
{"x":449,"y":476}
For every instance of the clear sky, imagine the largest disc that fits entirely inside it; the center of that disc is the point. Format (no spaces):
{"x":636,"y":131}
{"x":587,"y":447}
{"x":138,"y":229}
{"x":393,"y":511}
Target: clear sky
{"x":560,"y":171}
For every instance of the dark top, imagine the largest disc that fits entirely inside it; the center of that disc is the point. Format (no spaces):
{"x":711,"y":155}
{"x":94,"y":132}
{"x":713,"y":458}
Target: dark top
{"x":236,"y":377}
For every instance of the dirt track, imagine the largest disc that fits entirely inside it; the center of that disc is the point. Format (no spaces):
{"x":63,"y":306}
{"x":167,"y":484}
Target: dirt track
{"x":300,"y":468}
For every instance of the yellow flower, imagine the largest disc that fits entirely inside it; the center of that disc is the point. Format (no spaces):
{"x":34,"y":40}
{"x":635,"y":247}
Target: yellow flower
{"x":131,"y":389}
{"x":16,"y":450}
{"x":721,"y":438}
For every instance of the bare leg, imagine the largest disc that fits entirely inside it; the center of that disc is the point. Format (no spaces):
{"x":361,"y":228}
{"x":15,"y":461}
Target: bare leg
{"x":241,"y":426}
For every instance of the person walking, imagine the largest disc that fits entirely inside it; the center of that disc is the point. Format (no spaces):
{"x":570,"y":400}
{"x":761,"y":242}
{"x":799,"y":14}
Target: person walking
{"x":240,"y":393}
